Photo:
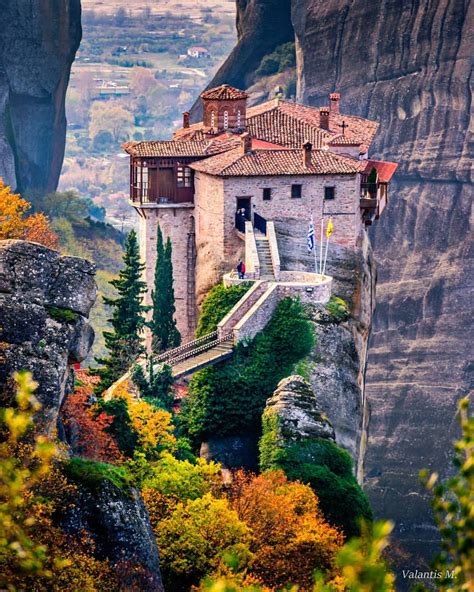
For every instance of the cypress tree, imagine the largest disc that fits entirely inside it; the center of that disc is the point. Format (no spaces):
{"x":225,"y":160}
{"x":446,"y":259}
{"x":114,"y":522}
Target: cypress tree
{"x":125,"y":342}
{"x":165,"y":334}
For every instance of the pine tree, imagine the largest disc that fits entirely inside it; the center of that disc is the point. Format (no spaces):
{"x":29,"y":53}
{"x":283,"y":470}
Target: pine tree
{"x":165,"y":335}
{"x":125,"y":342}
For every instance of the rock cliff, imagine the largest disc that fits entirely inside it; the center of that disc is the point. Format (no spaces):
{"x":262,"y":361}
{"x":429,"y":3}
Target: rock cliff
{"x":45,"y":299}
{"x":119,"y":525}
{"x":408,"y":66}
{"x":37,"y":47}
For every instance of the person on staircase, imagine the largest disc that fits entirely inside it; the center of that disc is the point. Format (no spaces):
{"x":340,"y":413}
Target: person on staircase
{"x":239,"y":268}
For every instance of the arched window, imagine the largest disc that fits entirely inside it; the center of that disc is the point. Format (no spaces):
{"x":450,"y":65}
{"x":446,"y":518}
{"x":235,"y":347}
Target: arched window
{"x":213,"y":119}
{"x":239,"y":118}
{"x":226,"y":119}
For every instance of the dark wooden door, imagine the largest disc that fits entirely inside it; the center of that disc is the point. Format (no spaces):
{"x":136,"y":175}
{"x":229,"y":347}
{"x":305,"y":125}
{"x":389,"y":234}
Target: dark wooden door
{"x":244,"y":202}
{"x":166,"y":184}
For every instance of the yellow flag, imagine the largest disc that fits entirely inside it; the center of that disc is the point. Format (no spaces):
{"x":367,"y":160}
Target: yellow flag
{"x":329,"y":228}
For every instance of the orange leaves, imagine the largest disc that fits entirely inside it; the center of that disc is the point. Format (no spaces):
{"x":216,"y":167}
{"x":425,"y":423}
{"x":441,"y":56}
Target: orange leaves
{"x":87,"y":431}
{"x":291,"y":537}
{"x":16,"y":224}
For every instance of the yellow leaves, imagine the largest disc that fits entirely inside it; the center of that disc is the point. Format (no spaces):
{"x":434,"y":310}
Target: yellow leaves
{"x":16,"y":224}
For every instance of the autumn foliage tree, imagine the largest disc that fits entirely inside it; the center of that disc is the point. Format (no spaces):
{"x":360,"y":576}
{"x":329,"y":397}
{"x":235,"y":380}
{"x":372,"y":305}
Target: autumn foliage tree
{"x":16,"y":223}
{"x":87,"y":429}
{"x":291,"y":538}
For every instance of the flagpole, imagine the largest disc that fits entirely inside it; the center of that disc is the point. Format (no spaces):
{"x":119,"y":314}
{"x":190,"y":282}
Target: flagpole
{"x":325,"y":256}
{"x":321,"y":248}
{"x":314,"y":246}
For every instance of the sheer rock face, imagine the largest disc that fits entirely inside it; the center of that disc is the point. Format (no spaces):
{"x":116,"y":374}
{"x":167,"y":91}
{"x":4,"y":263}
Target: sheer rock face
{"x":37,"y":47}
{"x":415,"y":83}
{"x":119,"y":525}
{"x":262,"y":25}
{"x":299,"y":413}
{"x":406,"y":65}
{"x":45,"y":300}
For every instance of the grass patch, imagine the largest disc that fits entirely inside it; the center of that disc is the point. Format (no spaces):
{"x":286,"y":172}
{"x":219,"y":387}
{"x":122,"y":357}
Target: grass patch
{"x":338,"y":309}
{"x":92,"y":474}
{"x":62,"y":315}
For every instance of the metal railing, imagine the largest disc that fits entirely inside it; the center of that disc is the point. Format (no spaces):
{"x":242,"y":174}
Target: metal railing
{"x":199,"y":350}
{"x":189,"y":346}
{"x":260,"y":223}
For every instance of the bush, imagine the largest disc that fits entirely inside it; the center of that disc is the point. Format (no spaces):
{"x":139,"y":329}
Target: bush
{"x":217,"y":304}
{"x":281,"y":59}
{"x":194,"y":539}
{"x":229,"y":398}
{"x":155,"y":387}
{"x":92,"y":474}
{"x":121,"y":428}
{"x":327,"y":468}
{"x":337,"y":309}
{"x":62,"y":315}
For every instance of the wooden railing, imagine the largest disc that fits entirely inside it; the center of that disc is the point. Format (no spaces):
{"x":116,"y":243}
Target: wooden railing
{"x":173,"y":361}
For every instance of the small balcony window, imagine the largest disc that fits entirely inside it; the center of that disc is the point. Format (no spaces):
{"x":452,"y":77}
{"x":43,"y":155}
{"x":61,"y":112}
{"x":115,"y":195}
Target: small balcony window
{"x":226,"y":119}
{"x":267,"y":193}
{"x":296,"y":191}
{"x":184,"y":176}
{"x":329,"y":193}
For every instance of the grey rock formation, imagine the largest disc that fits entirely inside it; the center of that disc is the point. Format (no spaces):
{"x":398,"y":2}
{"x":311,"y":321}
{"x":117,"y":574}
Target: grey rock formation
{"x":37,"y":47}
{"x":120,"y":527}
{"x":233,"y":452}
{"x":299,"y":414}
{"x":45,"y":300}
{"x":262,"y":26}
{"x":407,"y":65}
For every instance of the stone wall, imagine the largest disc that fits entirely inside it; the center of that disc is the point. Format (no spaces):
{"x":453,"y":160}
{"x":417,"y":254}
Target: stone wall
{"x":176,"y":223}
{"x":256,"y":319}
{"x":344,"y":208}
{"x":45,"y":300}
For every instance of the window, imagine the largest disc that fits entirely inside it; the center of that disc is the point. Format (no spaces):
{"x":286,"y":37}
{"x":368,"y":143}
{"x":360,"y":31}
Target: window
{"x":267,"y":193}
{"x":213,"y":119}
{"x":143,"y":181}
{"x":329,"y":192}
{"x":183,"y":175}
{"x":239,"y":118}
{"x":226,"y":119}
{"x":296,"y":191}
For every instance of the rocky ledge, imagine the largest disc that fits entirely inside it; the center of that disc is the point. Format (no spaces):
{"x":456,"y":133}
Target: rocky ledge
{"x":45,"y":299}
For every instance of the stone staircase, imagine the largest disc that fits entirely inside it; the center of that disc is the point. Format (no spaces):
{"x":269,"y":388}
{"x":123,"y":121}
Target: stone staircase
{"x":264,"y":257}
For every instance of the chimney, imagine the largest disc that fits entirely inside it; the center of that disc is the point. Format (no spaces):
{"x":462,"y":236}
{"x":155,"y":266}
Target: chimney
{"x":324,"y":118}
{"x":186,"y":119}
{"x":307,"y":150}
{"x":245,"y":142}
{"x":334,"y":99}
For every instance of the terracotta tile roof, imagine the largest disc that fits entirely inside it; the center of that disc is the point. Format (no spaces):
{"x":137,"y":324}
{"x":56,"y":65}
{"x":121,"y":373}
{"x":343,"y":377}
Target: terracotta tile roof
{"x":344,"y":141}
{"x":235,"y":163}
{"x":280,"y":128}
{"x":385,"y":170}
{"x":176,"y":148}
{"x":224,"y":92}
{"x":359,"y":129}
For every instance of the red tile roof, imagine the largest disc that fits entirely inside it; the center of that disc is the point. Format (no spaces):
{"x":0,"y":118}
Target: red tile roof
{"x":235,"y":163}
{"x":224,"y":93}
{"x":344,"y":141}
{"x":176,"y":148}
{"x":385,"y":170}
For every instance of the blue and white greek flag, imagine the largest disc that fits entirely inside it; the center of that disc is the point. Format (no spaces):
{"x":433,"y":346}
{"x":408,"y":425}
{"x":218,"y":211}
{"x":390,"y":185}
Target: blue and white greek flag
{"x":310,"y":237}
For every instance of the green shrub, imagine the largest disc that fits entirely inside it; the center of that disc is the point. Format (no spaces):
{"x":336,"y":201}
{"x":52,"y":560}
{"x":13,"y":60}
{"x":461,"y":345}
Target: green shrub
{"x":62,"y":315}
{"x":281,"y":59}
{"x":326,"y":467}
{"x":337,"y":309}
{"x":229,"y":398}
{"x":92,"y":474}
{"x":121,"y":428}
{"x":155,"y":386}
{"x":217,"y":304}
